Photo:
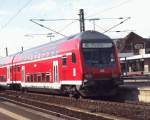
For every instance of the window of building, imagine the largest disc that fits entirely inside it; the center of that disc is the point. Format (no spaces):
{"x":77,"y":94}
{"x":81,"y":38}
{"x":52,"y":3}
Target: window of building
{"x":73,"y":58}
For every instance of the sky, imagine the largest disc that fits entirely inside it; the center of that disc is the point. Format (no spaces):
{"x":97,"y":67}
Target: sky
{"x":16,"y":29}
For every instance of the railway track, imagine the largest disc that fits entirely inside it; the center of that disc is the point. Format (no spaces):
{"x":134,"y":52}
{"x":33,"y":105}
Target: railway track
{"x":82,"y":108}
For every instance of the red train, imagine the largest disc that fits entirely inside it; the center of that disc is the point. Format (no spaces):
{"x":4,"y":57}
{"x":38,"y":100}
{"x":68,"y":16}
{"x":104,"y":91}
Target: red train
{"x":86,"y":64}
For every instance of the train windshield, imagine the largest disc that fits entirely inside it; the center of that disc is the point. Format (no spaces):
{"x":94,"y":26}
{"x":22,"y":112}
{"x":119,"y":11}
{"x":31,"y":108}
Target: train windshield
{"x":99,"y":54}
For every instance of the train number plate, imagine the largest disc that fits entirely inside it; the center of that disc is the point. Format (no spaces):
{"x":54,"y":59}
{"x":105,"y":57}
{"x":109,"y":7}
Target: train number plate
{"x":102,"y":70}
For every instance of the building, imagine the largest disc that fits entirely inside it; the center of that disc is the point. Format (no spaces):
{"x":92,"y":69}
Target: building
{"x":134,"y":54}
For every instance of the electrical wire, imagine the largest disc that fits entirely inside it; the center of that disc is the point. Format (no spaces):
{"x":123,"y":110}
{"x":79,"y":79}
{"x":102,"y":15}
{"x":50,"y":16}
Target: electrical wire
{"x":66,"y":26}
{"x":116,"y":25}
{"x":53,"y":19}
{"x":47,"y":28}
{"x":99,"y":27}
{"x":117,"y":31}
{"x":16,"y":14}
{"x":110,"y":8}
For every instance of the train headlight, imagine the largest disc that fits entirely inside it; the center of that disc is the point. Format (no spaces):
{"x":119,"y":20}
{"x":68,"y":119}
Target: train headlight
{"x":88,"y":76}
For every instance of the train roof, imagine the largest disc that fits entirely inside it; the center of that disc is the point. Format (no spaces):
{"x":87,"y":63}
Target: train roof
{"x":86,"y":35}
{"x":83,"y":36}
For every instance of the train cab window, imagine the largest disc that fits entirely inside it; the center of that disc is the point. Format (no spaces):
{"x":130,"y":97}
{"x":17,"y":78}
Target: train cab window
{"x":64,"y":60}
{"x":73,"y":58}
{"x":35,"y":77}
{"x":39,"y":78}
{"x":18,"y":68}
{"x":43,"y":77}
{"x":47,"y":77}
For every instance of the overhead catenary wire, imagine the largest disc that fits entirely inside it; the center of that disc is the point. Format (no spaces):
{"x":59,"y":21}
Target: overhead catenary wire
{"x":48,"y":28}
{"x":16,"y":14}
{"x":99,"y":27}
{"x":84,"y":19}
{"x":117,"y":31}
{"x":53,"y":19}
{"x":66,"y":26}
{"x":73,"y":21}
{"x":116,"y":25}
{"x":110,"y":8}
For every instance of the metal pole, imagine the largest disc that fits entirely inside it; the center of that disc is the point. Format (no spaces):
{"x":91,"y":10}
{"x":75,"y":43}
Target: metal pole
{"x":6,"y":51}
{"x":94,"y":25}
{"x":22,"y":48}
{"x":126,"y":66}
{"x":93,"y":20}
{"x":82,"y":25}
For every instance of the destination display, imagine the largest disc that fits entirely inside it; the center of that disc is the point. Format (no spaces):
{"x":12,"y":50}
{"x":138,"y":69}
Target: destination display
{"x":96,"y":45}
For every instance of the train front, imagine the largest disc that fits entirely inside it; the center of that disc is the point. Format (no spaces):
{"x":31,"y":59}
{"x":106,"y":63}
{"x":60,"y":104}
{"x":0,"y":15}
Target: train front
{"x":101,"y":67}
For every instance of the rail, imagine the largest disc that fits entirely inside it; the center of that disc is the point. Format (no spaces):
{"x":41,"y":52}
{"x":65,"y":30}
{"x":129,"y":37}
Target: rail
{"x":125,"y":110}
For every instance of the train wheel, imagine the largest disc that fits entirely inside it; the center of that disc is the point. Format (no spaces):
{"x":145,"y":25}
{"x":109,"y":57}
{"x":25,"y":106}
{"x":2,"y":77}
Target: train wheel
{"x":70,"y":91}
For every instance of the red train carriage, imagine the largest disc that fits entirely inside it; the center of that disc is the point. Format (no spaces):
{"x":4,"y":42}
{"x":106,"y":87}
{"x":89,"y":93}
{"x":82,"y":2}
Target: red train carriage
{"x":86,"y":64}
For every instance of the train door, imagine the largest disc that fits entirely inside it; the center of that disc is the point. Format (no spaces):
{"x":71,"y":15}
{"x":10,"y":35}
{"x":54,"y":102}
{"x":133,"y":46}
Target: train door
{"x":8,"y":74}
{"x":64,"y":68}
{"x":55,"y":71}
{"x":23,"y":74}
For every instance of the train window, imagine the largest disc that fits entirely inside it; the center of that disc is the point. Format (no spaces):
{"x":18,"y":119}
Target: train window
{"x":18,"y":68}
{"x":5,"y":78}
{"x":39,"y":78}
{"x":64,"y":60}
{"x":15,"y":68}
{"x":73,"y":58}
{"x":35,"y":77}
{"x":2,"y":79}
{"x":28,"y":78}
{"x":31,"y":78}
{"x":43,"y":77}
{"x":47,"y":77}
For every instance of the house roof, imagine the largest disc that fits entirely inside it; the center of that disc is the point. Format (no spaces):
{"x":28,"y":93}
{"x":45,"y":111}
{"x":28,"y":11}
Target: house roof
{"x":131,"y":38}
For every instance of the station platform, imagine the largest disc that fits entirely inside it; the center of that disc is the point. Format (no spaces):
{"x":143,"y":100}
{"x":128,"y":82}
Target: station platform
{"x":11,"y":111}
{"x":135,"y":92}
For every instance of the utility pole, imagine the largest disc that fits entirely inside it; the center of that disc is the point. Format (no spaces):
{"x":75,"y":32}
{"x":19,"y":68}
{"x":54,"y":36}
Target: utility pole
{"x":22,"y":48}
{"x":82,"y":25}
{"x":6,"y":51}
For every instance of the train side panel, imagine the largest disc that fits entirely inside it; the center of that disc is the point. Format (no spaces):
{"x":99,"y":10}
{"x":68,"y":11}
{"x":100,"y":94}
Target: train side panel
{"x":3,"y":76}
